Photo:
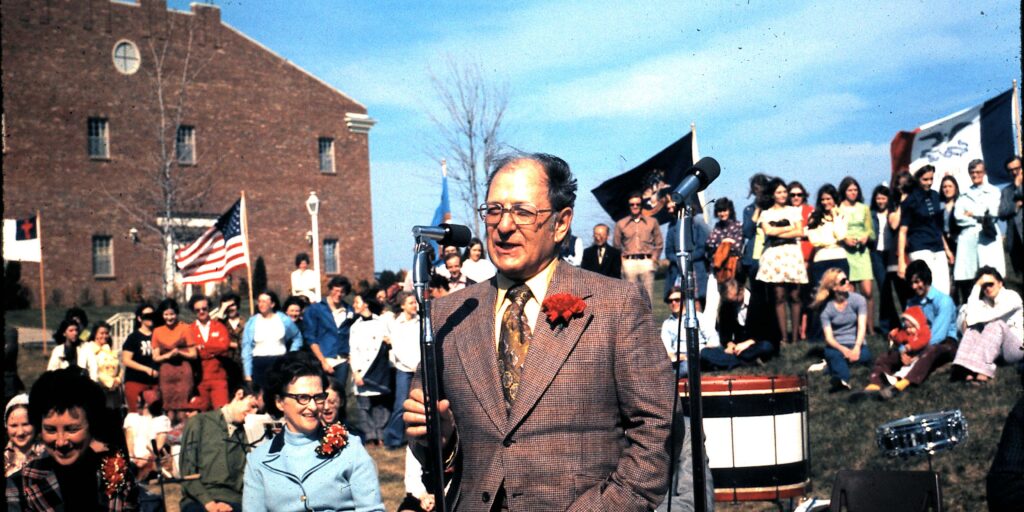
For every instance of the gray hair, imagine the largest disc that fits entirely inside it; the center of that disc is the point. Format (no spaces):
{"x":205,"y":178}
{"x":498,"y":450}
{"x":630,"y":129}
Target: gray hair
{"x":974,"y":163}
{"x":561,"y":182}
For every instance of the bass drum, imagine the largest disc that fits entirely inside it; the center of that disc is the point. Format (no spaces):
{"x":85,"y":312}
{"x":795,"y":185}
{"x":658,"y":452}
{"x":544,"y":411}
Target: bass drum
{"x":756,"y":435}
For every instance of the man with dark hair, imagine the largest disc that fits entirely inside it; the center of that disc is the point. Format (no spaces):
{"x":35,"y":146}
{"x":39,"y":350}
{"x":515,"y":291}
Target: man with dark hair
{"x":213,"y":446}
{"x":601,"y":257}
{"x":639,"y":238}
{"x":326,"y":329}
{"x":437,"y":286}
{"x":940,"y":312}
{"x":566,"y":417}
{"x":1011,"y":200}
{"x":456,"y":279}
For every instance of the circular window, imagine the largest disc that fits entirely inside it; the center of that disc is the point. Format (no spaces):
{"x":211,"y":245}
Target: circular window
{"x":126,"y":57}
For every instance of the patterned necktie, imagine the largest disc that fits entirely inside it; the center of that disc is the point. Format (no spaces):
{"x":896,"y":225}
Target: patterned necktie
{"x":514,"y":342}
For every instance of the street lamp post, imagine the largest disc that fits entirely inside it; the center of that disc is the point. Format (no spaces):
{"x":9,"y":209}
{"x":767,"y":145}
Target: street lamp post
{"x":313,"y":207}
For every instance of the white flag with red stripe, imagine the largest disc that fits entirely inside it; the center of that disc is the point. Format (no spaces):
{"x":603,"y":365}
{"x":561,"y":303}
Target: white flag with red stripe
{"x":219,"y":250}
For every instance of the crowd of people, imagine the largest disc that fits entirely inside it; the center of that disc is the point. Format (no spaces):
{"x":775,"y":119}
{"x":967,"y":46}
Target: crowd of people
{"x":274,"y":411}
{"x":792,"y":269}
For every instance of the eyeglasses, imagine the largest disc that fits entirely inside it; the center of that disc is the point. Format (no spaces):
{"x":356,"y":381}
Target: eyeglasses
{"x":200,"y":310}
{"x":986,"y":286}
{"x":304,"y":399}
{"x":1014,"y":169}
{"x":523,"y":214}
{"x":676,"y":299}
{"x":844,"y":281}
{"x":797,"y":194}
{"x":634,"y":204}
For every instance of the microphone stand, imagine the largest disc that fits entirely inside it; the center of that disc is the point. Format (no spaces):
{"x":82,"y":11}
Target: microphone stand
{"x":434,"y":467}
{"x":689,"y":291}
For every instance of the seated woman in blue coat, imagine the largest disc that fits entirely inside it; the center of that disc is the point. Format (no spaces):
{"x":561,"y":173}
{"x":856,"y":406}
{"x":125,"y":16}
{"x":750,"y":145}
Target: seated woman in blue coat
{"x":307,"y":466}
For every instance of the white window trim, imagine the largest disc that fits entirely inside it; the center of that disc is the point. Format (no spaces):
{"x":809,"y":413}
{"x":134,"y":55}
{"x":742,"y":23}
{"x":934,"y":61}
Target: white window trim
{"x":334,"y":166}
{"x":195,"y":149}
{"x":138,"y":61}
{"x":113,"y":272}
{"x":336,"y":261}
{"x":106,"y":137}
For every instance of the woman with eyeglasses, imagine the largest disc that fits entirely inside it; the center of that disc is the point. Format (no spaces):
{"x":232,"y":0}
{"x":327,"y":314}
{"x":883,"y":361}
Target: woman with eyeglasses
{"x":844,"y":326}
{"x":980,"y":243}
{"x":781,"y":266}
{"x":308,"y":466}
{"x":993,"y":327}
{"x":798,"y":199}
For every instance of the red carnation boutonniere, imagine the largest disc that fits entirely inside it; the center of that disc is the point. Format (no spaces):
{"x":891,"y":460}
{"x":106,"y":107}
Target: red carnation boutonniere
{"x":334,"y":438}
{"x":560,"y":307}
{"x":113,"y":469}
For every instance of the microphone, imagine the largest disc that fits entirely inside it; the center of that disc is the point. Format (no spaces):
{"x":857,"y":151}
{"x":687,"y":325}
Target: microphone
{"x":698,"y":177}
{"x":444,"y":234}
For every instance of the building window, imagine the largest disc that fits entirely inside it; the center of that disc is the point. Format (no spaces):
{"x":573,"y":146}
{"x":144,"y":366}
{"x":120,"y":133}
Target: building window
{"x":326,"y":154}
{"x":330,"y":256}
{"x":99,"y":138}
{"x":102,"y":256}
{"x":126,"y":57}
{"x":186,"y":145}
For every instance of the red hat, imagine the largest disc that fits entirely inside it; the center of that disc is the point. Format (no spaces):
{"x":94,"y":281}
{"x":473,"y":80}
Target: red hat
{"x":914,"y":315}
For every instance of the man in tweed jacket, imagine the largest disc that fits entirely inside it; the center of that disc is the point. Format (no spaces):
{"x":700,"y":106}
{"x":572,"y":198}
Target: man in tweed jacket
{"x":589,"y":428}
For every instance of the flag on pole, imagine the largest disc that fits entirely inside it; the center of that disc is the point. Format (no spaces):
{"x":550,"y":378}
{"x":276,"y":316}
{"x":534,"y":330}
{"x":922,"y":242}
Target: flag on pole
{"x":219,"y":250}
{"x":21,"y":240}
{"x":660,"y":172}
{"x":983,"y":131}
{"x":443,"y":212}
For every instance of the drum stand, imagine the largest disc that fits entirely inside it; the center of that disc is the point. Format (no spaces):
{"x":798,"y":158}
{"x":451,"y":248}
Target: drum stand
{"x":685,"y":261}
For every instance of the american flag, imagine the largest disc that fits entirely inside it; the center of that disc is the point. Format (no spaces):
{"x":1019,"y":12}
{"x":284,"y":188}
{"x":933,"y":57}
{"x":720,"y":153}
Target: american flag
{"x":221,"y":249}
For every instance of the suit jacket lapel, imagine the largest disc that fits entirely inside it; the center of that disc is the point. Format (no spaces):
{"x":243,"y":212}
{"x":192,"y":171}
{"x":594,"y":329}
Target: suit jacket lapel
{"x":478,"y":353}
{"x":551,"y":345}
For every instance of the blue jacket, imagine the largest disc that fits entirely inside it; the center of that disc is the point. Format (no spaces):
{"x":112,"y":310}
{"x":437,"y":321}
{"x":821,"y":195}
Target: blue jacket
{"x":292,"y":339}
{"x":940,"y":312}
{"x":319,"y":328}
{"x":286,"y":475}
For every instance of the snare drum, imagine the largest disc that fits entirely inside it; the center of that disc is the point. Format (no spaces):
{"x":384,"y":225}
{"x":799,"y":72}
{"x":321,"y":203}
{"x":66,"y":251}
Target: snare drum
{"x":922,"y":433}
{"x":756,"y":435}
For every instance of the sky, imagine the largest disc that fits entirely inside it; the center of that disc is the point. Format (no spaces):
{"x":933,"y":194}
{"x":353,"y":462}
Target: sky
{"x":807,"y":91}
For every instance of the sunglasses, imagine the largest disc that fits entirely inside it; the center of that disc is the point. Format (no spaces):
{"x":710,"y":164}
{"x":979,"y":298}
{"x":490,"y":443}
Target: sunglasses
{"x":844,"y":281}
{"x":676,"y":299}
{"x":797,"y":194}
{"x":986,"y":286}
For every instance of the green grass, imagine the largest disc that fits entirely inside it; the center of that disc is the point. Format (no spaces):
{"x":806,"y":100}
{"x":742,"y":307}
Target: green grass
{"x":842,"y":435}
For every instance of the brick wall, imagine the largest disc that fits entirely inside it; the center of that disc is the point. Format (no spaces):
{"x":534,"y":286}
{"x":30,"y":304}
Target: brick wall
{"x":257,"y":120}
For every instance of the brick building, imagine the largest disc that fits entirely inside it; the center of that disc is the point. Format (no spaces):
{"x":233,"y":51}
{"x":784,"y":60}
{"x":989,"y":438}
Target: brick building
{"x":83,"y":133}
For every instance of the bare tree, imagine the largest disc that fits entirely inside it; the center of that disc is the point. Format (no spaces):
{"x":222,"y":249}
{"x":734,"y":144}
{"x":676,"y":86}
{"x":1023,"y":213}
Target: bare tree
{"x":468,"y":127}
{"x":168,"y":194}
